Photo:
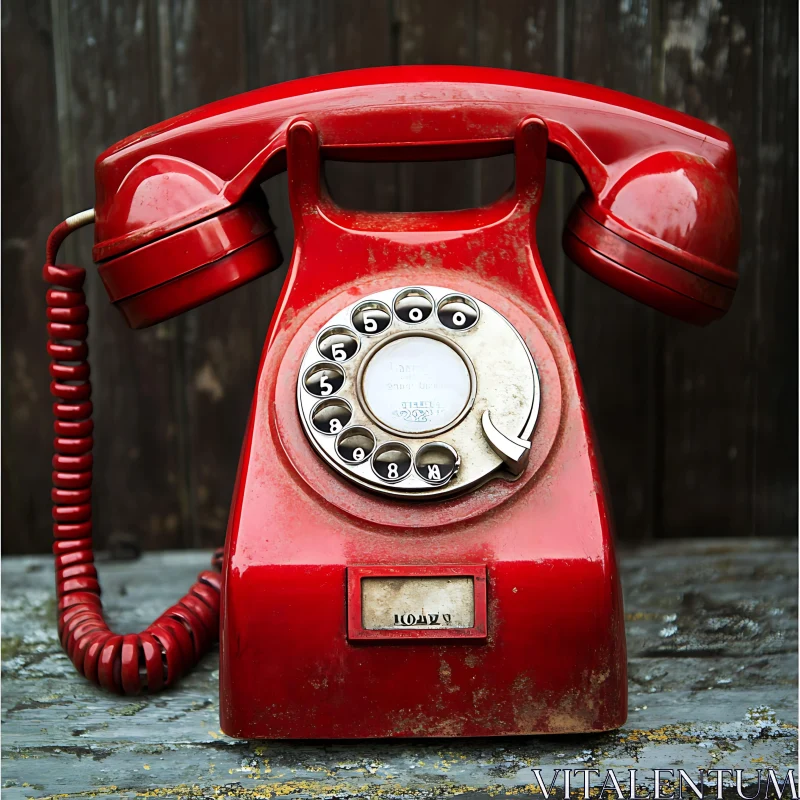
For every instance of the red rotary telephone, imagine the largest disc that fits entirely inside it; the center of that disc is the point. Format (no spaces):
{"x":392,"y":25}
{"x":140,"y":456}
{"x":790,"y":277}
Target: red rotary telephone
{"x":419,"y":542}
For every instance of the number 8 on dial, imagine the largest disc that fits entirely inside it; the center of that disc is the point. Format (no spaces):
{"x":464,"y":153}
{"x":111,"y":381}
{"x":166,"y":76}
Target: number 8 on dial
{"x":331,"y":416}
{"x":392,"y":461}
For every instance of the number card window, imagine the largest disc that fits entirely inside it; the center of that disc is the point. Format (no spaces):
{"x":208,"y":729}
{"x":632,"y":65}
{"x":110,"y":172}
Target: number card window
{"x":416,"y":602}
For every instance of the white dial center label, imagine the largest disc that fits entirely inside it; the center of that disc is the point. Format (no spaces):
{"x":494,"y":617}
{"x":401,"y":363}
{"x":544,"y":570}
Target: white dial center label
{"x":416,"y":384}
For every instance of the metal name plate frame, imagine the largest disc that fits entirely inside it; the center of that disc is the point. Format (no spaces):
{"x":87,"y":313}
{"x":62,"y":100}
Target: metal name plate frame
{"x":419,"y":602}
{"x":411,"y":455}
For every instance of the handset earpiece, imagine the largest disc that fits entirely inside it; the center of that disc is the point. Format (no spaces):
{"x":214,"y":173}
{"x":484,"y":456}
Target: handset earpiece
{"x":666,"y":233}
{"x":188,"y":264}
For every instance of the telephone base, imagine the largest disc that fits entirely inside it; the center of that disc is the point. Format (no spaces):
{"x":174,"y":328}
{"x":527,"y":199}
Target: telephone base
{"x":550,"y":659}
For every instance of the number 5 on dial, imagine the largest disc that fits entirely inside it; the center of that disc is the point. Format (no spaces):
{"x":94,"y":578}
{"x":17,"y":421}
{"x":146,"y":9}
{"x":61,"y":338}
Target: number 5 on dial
{"x":337,"y":344}
{"x":371,"y":317}
{"x":370,"y":323}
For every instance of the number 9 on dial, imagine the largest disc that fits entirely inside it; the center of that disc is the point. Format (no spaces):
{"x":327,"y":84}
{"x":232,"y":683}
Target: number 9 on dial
{"x":355,"y":444}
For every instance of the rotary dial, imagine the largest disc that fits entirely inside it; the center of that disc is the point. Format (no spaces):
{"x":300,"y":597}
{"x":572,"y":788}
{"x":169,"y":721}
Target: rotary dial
{"x":419,"y":392}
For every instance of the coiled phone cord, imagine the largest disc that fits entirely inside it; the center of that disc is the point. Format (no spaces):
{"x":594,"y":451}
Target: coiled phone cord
{"x":171,"y":645}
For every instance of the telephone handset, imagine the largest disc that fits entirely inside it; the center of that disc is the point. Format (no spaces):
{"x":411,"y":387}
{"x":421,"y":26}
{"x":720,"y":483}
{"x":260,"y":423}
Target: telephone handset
{"x":419,"y":542}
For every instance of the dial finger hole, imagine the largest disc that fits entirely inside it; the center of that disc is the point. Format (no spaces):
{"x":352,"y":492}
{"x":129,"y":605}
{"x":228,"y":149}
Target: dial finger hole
{"x":331,"y":416}
{"x":436,"y":462}
{"x":371,"y":317}
{"x":337,"y":344}
{"x":413,"y":305}
{"x":457,"y":312}
{"x":392,"y":461}
{"x":355,"y":444}
{"x":323,"y":380}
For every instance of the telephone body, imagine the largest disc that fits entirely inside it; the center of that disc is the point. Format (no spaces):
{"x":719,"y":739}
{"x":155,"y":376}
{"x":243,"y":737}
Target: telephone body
{"x":419,"y":542}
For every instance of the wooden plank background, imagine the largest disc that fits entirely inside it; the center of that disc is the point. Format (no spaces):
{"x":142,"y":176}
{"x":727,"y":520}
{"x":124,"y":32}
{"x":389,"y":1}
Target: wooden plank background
{"x":698,"y":426}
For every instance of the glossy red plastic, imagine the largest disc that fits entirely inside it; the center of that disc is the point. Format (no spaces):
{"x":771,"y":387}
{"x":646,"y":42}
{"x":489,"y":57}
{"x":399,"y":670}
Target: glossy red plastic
{"x":177,"y":223}
{"x":134,"y":662}
{"x":664,"y":184}
{"x":553,"y":659}
{"x":699,"y":295}
{"x":193,"y":265}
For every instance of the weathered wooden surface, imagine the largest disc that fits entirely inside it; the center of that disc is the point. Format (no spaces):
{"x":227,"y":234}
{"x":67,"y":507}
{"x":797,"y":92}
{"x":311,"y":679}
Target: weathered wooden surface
{"x":698,"y":426}
{"x":712,"y":641}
